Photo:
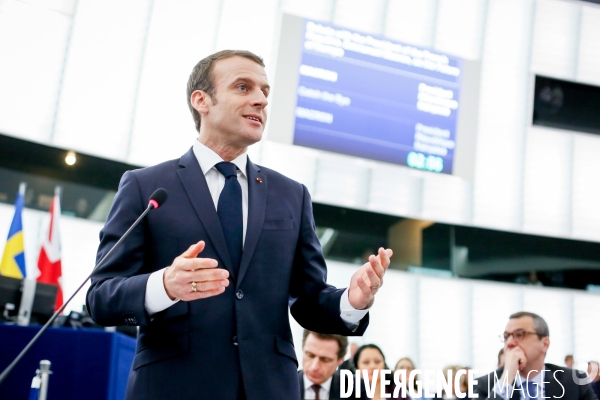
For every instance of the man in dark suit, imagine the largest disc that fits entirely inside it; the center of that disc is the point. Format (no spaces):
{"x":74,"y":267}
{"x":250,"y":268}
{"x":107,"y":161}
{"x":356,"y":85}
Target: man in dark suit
{"x":210,"y":275}
{"x":319,"y":378}
{"x":525,"y":375}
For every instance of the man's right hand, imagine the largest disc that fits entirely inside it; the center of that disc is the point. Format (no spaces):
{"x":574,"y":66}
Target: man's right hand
{"x":514,"y":361}
{"x":188,"y":269}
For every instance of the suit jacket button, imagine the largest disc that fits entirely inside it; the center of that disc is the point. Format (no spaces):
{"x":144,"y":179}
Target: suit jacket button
{"x":239,"y":294}
{"x":235,"y":340}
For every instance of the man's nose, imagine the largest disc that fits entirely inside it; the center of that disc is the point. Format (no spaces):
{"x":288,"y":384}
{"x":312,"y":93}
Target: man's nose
{"x":511,"y":342}
{"x":314,"y":364}
{"x":260,"y":100}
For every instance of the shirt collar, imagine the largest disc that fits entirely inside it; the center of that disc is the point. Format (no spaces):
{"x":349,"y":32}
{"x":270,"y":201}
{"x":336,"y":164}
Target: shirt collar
{"x":538,"y":379}
{"x":207,"y":158}
{"x":325,"y":385}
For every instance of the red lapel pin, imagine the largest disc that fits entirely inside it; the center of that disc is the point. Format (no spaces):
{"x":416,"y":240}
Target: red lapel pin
{"x":259,"y":180}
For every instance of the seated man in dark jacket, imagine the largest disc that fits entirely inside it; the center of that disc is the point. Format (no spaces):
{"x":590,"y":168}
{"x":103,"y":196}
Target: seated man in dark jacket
{"x":321,"y":356}
{"x":525,"y":375}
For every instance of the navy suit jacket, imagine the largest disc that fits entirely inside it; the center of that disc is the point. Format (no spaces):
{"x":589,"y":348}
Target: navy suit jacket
{"x":209,"y":348}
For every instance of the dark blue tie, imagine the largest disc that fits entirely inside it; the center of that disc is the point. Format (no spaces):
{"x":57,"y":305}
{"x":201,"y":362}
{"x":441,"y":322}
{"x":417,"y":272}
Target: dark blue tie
{"x":229,"y":210}
{"x":532,"y":390}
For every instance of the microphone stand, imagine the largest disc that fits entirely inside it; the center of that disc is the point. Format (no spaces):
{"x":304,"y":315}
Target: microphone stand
{"x":152,"y":204}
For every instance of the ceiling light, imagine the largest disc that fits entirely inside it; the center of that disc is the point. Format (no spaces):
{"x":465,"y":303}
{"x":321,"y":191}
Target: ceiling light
{"x":71,"y":158}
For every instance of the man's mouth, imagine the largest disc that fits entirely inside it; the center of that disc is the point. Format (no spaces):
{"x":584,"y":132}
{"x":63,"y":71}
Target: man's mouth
{"x":253,"y":118}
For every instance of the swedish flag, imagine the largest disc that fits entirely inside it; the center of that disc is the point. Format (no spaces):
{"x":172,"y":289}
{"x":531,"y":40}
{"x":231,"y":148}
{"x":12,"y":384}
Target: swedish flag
{"x":13,"y":260}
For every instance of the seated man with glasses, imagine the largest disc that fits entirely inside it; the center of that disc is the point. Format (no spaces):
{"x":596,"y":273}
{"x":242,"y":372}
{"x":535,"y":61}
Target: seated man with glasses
{"x":525,"y":375}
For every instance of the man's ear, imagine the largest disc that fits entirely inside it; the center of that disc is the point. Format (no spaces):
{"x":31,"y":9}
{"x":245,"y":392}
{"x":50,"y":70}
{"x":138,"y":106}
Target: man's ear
{"x":201,"y":101}
{"x":546,"y":342}
{"x":340,"y":361}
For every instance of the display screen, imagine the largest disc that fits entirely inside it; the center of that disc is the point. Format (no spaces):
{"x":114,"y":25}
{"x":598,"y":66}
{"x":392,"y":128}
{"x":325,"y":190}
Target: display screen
{"x":370,"y":97}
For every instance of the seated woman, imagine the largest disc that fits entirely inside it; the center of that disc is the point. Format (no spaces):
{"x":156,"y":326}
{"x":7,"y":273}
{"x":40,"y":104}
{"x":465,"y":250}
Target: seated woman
{"x":370,"y":358}
{"x":406,"y":364}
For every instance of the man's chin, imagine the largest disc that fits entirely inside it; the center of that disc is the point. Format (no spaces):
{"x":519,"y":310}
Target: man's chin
{"x":252,"y":138}
{"x":315,"y":380}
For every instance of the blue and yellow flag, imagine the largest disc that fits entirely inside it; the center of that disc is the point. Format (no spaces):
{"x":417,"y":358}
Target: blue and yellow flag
{"x":13,"y":259}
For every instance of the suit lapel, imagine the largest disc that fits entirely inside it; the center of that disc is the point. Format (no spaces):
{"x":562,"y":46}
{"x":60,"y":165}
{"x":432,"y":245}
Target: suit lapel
{"x":552,"y":388}
{"x":194,"y":182}
{"x":334,"y":389}
{"x":257,"y":203}
{"x":301,"y":382}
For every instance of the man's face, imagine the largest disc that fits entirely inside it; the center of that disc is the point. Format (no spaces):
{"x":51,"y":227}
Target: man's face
{"x":320,"y":359}
{"x":238,"y":114}
{"x":569,"y":362}
{"x":534,"y":348}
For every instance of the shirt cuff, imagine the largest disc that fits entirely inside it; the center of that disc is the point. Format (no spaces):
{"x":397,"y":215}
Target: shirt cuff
{"x":157,"y":298}
{"x":350,"y":315}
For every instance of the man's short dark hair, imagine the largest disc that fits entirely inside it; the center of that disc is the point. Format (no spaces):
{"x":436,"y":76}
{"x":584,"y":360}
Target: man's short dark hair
{"x":539,"y":325}
{"x":342,"y":341}
{"x":201,"y":76}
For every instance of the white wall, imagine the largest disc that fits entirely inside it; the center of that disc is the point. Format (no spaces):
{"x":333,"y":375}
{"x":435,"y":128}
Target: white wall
{"x":108,"y":78}
{"x":442,"y":321}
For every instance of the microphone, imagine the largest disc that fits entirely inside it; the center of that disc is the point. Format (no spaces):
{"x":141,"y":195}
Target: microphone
{"x":157,"y":199}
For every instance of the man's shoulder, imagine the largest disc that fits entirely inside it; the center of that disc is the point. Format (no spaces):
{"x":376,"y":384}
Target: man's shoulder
{"x":271,"y":173}
{"x":554,"y":367}
{"x":153,"y":169}
{"x":564,"y":374}
{"x":279,"y":179}
{"x":154,"y":174}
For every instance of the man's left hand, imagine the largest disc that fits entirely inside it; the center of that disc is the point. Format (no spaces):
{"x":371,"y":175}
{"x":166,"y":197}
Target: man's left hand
{"x":368,"y":279}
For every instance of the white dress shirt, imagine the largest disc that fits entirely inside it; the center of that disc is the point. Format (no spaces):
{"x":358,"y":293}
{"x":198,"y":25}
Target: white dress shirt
{"x":503,"y":391}
{"x":156,"y":295}
{"x":309,"y":393}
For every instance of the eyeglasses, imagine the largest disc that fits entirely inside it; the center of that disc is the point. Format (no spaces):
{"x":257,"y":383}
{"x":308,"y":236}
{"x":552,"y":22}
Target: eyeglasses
{"x":519,"y":335}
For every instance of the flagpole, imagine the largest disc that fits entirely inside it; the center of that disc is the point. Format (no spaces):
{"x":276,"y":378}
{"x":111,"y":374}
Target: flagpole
{"x":29,"y":284}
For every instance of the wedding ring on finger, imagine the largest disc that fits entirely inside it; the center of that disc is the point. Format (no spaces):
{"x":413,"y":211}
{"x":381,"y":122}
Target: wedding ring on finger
{"x":375,"y":287}
{"x":194,"y":288}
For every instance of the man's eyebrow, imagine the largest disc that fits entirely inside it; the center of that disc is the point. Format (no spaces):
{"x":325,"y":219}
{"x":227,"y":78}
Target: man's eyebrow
{"x":252,"y":82}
